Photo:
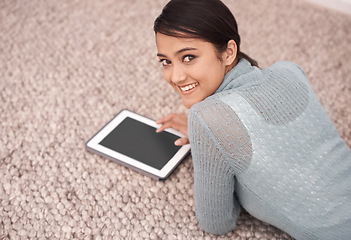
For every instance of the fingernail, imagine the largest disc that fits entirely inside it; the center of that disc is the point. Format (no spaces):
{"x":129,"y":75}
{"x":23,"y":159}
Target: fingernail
{"x":178,"y":142}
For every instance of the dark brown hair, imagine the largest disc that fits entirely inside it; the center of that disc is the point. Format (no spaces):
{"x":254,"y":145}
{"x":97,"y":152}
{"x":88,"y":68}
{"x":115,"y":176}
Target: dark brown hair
{"x":209,"y":20}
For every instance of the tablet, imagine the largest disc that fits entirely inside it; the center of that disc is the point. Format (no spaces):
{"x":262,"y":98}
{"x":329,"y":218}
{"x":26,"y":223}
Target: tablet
{"x":131,"y":140}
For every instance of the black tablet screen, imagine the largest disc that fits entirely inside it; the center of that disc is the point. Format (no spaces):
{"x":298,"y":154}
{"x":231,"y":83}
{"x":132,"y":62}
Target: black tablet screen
{"x":141,"y":142}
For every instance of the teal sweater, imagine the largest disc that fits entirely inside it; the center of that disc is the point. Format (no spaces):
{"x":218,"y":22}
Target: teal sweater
{"x":264,"y":142}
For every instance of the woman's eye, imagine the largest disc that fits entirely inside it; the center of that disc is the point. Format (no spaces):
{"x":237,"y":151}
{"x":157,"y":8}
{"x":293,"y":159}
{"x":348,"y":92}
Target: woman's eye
{"x":188,"y":58}
{"x":165,"y":62}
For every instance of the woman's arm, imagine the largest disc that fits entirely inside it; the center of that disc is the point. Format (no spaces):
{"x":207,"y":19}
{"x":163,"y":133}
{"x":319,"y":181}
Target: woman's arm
{"x":220,"y":148}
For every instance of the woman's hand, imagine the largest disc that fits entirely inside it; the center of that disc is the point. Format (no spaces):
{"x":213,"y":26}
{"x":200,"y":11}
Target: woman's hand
{"x":178,"y":122}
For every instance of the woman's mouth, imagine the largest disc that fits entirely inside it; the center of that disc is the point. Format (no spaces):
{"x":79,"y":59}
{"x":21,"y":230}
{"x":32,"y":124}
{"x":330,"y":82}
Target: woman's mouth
{"x":189,"y":87}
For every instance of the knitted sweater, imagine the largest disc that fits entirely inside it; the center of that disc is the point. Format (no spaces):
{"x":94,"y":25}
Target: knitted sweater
{"x":264,"y":142}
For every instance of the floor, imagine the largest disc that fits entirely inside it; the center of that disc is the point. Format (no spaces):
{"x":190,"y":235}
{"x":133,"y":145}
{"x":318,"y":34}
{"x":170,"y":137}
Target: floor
{"x":338,"y":5}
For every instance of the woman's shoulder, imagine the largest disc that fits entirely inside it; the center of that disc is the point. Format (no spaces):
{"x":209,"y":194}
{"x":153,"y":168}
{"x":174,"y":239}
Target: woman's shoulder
{"x":210,"y":105}
{"x":215,"y":120}
{"x":212,"y":113}
{"x":287,"y":67}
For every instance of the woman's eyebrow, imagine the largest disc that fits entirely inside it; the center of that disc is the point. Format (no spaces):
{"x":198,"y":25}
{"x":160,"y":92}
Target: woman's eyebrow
{"x":184,"y":50}
{"x":161,"y":55}
{"x":178,"y":52}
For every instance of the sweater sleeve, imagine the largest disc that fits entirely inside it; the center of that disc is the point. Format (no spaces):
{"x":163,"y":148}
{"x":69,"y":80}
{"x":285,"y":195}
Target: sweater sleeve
{"x":219,"y":150}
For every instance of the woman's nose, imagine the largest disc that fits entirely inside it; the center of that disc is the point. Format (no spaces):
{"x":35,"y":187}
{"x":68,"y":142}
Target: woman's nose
{"x":178,"y":74}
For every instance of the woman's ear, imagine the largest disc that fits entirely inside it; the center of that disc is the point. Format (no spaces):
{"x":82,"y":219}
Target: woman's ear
{"x":230,"y":53}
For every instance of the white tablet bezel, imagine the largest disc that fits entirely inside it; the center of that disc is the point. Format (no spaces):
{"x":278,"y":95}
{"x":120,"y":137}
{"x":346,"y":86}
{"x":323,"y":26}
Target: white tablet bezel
{"x":93,"y":146}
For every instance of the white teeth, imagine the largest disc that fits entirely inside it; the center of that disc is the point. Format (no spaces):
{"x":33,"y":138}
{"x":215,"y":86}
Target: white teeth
{"x":187,"y":88}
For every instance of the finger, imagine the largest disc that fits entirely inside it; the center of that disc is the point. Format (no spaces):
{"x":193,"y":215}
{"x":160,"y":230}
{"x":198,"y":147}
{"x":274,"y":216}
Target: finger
{"x":165,"y":126}
{"x":166,"y":118}
{"x":173,"y":117}
{"x":182,"y":141}
{"x":181,"y":127}
{"x":162,"y":128}
{"x":172,"y":124}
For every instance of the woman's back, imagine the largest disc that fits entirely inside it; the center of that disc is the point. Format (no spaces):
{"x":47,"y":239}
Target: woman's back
{"x":270,"y":132}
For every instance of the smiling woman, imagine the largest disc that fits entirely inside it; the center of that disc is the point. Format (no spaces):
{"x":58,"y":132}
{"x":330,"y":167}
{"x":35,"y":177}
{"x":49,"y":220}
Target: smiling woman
{"x":193,"y":67}
{"x":259,"y":137}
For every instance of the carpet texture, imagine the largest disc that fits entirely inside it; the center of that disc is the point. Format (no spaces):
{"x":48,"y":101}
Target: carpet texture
{"x":67,"y":67}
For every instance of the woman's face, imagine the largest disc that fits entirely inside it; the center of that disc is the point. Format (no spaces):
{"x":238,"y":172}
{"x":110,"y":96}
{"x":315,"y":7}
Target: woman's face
{"x":191,"y":66}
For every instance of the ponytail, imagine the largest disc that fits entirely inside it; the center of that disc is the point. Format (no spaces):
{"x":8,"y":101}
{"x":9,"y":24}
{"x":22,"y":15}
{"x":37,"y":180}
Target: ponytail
{"x":252,"y":61}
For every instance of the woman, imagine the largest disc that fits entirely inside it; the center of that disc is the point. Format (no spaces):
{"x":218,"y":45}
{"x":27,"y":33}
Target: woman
{"x":259,"y":137}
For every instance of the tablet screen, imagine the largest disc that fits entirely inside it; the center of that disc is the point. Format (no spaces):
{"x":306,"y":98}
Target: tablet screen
{"x":141,"y":142}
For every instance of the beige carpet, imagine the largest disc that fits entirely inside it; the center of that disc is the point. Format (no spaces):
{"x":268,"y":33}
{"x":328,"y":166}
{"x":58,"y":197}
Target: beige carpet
{"x":67,"y":67}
